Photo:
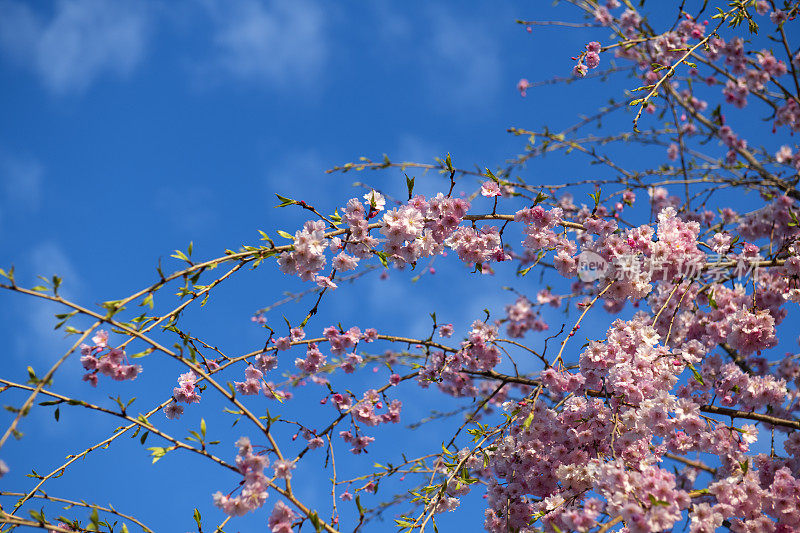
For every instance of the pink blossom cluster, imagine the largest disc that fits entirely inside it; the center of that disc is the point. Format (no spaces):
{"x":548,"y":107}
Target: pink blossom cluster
{"x":313,"y":360}
{"x":255,"y":484}
{"x":185,"y":392}
{"x":734,"y":387}
{"x":751,"y":332}
{"x":727,"y":315}
{"x":364,"y":412}
{"x":588,"y":60}
{"x":774,"y":217}
{"x":539,"y":224}
{"x":253,"y":381}
{"x":420,"y":228}
{"x":478,"y":352}
{"x":763,"y":500}
{"x":359,"y":442}
{"x":477,"y":245}
{"x":522,"y":318}
{"x":295,"y":335}
{"x":281,"y":519}
{"x":308,"y":256}
{"x":111,"y":363}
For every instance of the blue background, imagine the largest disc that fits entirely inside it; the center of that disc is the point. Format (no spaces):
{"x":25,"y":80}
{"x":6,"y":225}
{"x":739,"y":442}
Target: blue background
{"x":130,"y":129}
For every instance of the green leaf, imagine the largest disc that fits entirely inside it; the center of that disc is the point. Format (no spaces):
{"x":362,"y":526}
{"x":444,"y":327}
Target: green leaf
{"x":180,"y":255}
{"x":314,"y":518}
{"x":655,"y":502}
{"x":528,"y":420}
{"x":157,"y":452}
{"x":711,"y":301}
{"x":139,"y":355}
{"x":361,"y":511}
{"x":198,"y":519}
{"x":697,"y":375}
{"x":203,"y":427}
{"x":285,"y":201}
{"x":410,"y":185}
{"x":285,"y":235}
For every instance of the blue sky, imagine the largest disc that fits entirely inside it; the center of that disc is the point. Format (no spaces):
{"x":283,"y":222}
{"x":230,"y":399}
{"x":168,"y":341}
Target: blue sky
{"x":131,"y":128}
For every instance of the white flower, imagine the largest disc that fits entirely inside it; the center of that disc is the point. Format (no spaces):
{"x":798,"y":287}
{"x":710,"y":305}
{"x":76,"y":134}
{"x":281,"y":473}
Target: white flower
{"x":375,"y":199}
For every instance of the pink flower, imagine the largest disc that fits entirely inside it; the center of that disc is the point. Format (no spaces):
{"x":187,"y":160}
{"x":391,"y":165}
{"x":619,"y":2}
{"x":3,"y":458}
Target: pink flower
{"x":283,"y":468}
{"x":172,"y":410}
{"x":370,"y":335}
{"x":297,"y":334}
{"x":778,"y":17}
{"x":592,"y":59}
{"x":752,"y":332}
{"x":325,"y":282}
{"x":672,"y":152}
{"x":446,"y":330}
{"x":280,"y":521}
{"x":784,"y":155}
{"x":344,"y":262}
{"x":602,"y":16}
{"x":100,"y":338}
{"x":89,"y":362}
{"x":522,"y":86}
{"x":491,"y":189}
{"x":186,"y":392}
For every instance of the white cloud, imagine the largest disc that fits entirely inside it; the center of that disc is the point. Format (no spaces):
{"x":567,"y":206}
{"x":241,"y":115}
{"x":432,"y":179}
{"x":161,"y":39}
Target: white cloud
{"x":277,"y":42}
{"x":21,"y":179}
{"x":39,"y":341}
{"x":80,"y":41}
{"x":457,"y":59}
{"x":462,"y":58}
{"x":49,"y":258}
